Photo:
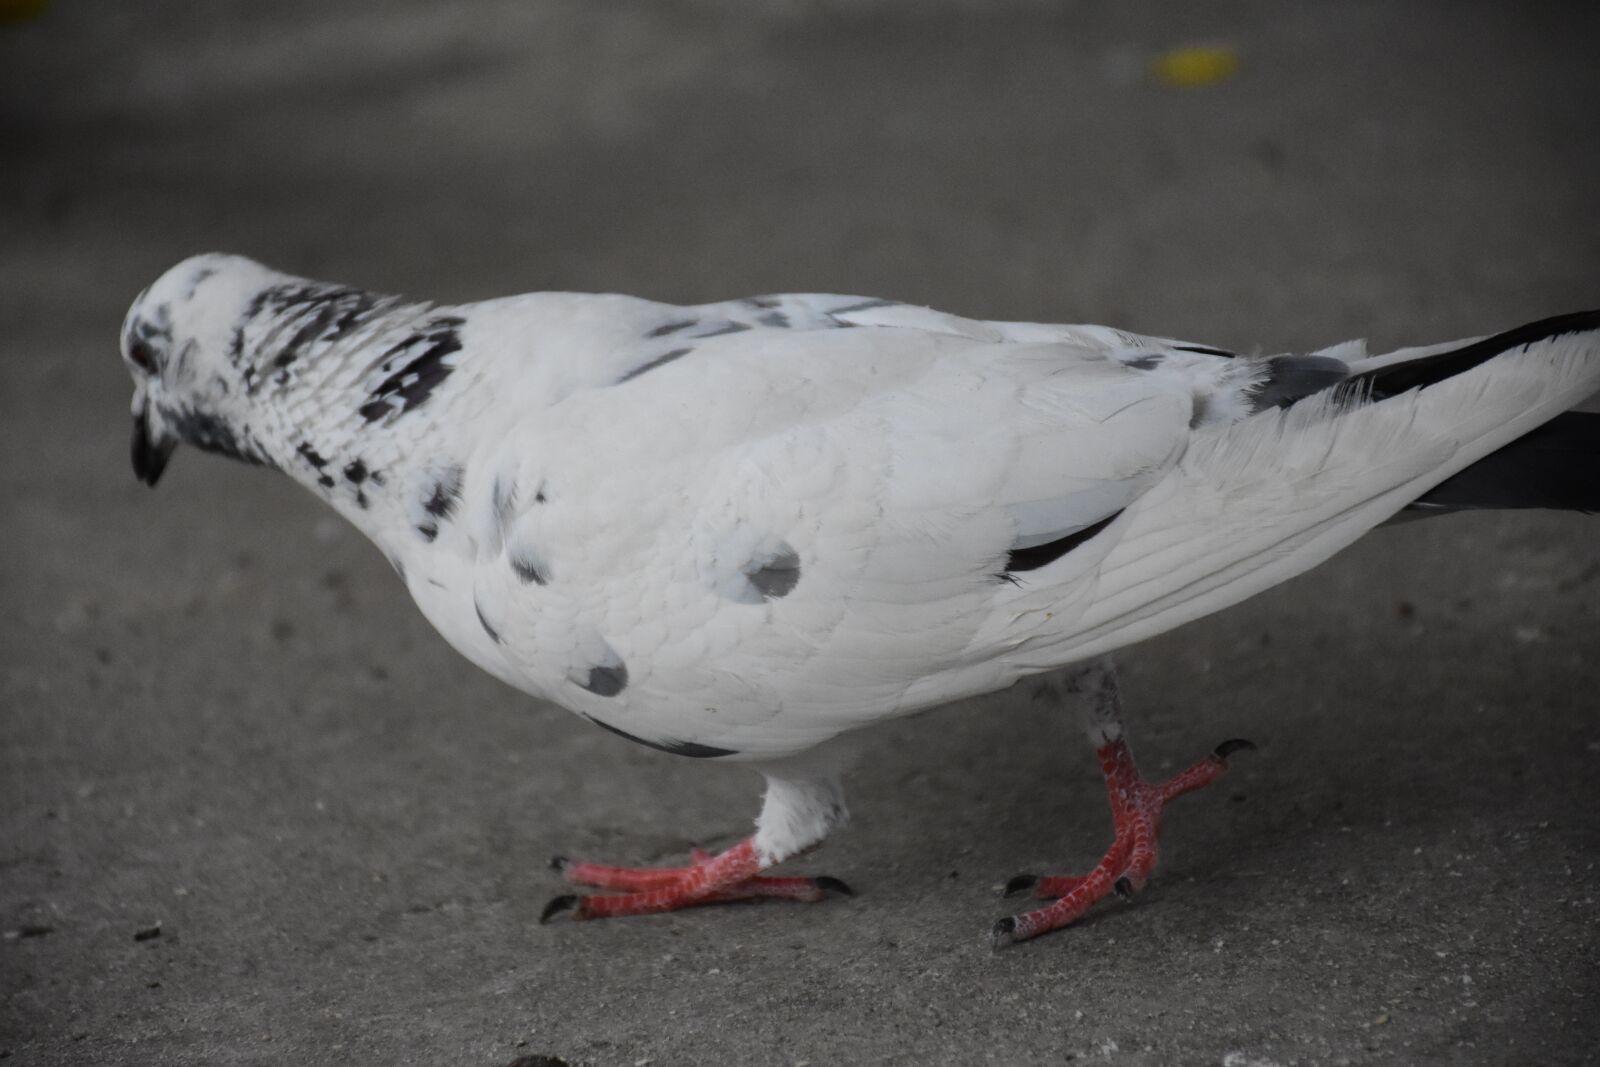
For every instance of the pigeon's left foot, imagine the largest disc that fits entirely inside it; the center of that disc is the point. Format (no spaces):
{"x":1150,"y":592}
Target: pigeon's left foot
{"x":709,"y":879}
{"x":1136,"y":810}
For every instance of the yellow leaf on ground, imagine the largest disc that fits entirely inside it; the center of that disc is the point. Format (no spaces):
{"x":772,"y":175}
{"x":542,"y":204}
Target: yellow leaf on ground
{"x":1196,"y":65}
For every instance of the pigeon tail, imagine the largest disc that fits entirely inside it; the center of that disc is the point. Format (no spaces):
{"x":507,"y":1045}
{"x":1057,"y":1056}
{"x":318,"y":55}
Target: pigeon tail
{"x":1556,"y":466}
{"x":1285,"y":489}
{"x":1400,"y":371}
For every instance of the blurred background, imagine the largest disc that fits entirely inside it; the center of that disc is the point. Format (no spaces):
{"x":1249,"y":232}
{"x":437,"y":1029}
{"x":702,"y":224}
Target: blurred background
{"x":252,"y":810}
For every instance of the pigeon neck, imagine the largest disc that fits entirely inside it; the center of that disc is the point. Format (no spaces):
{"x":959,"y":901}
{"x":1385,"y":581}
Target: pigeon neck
{"x":337,"y":385}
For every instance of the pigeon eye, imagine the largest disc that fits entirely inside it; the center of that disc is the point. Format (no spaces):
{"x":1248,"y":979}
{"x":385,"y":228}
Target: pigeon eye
{"x":143,"y":356}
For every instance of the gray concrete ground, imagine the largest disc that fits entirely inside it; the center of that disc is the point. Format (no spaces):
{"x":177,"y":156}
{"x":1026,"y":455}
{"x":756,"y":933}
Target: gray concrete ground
{"x":222,"y":717}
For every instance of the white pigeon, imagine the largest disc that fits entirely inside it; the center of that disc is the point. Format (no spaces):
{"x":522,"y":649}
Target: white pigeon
{"x":745,"y":530}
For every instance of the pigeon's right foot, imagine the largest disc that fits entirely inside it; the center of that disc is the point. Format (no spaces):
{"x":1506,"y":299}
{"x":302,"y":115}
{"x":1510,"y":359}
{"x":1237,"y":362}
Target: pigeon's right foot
{"x":1136,"y":810}
{"x":709,"y":879}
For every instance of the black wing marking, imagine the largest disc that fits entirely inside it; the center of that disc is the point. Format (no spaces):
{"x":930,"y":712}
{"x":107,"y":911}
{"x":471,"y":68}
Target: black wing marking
{"x":1033,"y":557}
{"x":692,"y":749}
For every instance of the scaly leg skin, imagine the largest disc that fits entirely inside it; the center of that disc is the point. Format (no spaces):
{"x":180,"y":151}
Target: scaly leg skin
{"x":794,"y":816}
{"x":709,"y":879}
{"x":1137,"y":807}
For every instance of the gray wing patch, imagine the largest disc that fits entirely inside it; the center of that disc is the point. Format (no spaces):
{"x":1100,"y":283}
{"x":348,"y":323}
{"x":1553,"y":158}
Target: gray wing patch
{"x":606,"y":676}
{"x":605,"y":681}
{"x":661,"y":360}
{"x":725,"y":328}
{"x":529,"y":566}
{"x":439,"y":504}
{"x":793,"y":311}
{"x":445,"y":493}
{"x":503,"y":499}
{"x":775,"y":575}
{"x":863,"y":305}
{"x":704,"y":329}
{"x":771,"y":571}
{"x":699,"y":329}
{"x":1293,"y":378}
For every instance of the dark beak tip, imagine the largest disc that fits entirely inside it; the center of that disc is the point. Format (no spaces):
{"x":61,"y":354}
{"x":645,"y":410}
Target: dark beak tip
{"x":149,"y":458}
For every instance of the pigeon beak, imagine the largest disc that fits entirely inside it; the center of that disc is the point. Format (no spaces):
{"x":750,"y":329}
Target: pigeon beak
{"x":151,"y":447}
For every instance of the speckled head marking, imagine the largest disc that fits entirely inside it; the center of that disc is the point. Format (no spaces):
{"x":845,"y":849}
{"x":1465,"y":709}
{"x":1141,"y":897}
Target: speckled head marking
{"x":303,"y":314}
{"x":174,"y":342}
{"x":239,"y":359}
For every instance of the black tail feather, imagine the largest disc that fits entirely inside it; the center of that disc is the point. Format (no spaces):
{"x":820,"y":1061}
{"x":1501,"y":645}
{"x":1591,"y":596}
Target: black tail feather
{"x":1429,"y":370}
{"x":1555,"y":466}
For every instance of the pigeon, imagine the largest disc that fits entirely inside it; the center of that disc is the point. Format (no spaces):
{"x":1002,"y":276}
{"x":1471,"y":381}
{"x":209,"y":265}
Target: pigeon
{"x":743,"y":531}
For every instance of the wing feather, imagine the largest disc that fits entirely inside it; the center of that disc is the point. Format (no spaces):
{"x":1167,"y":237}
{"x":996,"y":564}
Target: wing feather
{"x":898,"y":468}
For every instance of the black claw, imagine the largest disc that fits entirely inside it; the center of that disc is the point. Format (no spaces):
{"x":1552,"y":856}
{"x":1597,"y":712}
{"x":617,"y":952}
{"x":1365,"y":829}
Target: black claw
{"x":1124,"y":888}
{"x":1003,"y":931}
{"x":559,"y":863}
{"x":825,"y":882}
{"x":557,"y":906}
{"x":1019,"y":882}
{"x":1232,"y":745}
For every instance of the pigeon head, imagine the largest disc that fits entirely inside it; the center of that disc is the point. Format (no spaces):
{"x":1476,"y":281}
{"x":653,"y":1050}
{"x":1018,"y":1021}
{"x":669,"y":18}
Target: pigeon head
{"x":178,"y":343}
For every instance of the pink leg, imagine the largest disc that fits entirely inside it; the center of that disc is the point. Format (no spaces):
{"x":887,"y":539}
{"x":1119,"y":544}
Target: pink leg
{"x":709,"y":879}
{"x":1136,"y":810}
